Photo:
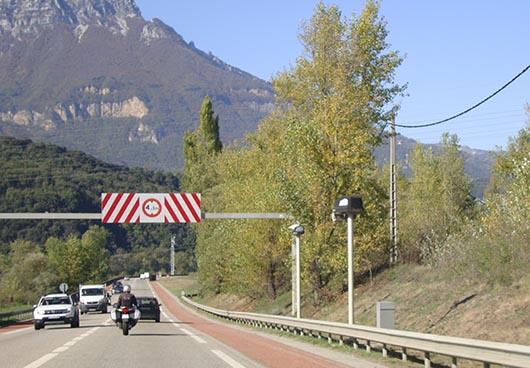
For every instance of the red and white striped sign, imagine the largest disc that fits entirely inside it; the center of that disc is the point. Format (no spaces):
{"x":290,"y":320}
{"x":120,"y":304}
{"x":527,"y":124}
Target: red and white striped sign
{"x":150,"y":207}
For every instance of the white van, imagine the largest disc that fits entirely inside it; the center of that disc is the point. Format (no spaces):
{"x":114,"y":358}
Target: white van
{"x":93,"y":298}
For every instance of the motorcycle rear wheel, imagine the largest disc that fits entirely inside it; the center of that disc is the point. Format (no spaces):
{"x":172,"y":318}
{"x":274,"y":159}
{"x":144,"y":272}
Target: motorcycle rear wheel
{"x":125,"y":328}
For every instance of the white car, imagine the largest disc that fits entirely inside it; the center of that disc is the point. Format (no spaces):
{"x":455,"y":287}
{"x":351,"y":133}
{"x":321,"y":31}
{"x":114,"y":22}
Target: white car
{"x":53,"y":309}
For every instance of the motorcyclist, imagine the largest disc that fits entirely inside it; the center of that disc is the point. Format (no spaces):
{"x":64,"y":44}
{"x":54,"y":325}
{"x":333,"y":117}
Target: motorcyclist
{"x":127,"y":299}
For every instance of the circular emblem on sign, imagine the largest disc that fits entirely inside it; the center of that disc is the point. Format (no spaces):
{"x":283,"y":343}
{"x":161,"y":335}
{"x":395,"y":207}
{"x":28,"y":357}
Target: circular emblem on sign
{"x":151,"y":207}
{"x":63,"y":287}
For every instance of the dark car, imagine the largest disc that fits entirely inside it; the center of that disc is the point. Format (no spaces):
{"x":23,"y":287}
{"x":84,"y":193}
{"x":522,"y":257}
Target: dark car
{"x":117,"y":288}
{"x":149,"y":307}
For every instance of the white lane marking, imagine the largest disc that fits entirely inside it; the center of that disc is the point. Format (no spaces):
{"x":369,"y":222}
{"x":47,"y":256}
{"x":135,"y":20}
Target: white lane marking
{"x":233,"y":363}
{"x":195,"y":337}
{"x":37,"y":363}
{"x":41,"y":360}
{"x":61,"y":349}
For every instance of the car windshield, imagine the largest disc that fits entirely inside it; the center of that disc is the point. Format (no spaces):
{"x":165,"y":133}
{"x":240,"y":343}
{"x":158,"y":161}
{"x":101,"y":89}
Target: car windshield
{"x":88,"y":292}
{"x":55,"y":301}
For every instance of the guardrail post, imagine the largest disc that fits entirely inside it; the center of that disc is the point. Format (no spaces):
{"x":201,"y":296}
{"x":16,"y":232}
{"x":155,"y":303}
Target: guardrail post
{"x":427,"y":360}
{"x":454,"y":363}
{"x":385,"y":352}
{"x":404,"y":355}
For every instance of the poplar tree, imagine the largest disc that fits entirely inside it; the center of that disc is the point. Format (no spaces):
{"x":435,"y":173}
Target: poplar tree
{"x":332,"y":107}
{"x":338,"y":98}
{"x":200,"y":150}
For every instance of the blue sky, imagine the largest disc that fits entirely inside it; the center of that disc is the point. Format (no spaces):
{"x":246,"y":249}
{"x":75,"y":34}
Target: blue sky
{"x":456,"y":54}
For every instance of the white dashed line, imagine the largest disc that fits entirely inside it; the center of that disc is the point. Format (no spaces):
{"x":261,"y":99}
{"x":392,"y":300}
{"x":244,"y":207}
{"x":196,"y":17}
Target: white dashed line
{"x":233,"y":363}
{"x":61,"y":349}
{"x":41,"y":360}
{"x":223,"y":356}
{"x":37,"y":363}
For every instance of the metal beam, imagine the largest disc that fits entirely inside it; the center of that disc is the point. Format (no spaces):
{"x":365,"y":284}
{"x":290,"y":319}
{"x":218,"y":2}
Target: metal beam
{"x":245,"y":216}
{"x":50,"y":216}
{"x":97,"y":216}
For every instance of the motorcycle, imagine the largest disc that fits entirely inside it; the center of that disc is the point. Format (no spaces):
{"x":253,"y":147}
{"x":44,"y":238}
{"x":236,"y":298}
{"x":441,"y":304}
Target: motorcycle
{"x":125,"y":317}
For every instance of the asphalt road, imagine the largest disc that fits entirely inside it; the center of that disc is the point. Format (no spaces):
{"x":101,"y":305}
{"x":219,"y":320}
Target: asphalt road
{"x":181,"y":339}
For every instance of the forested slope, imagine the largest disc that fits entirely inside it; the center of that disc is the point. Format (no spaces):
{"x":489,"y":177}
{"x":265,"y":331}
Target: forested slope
{"x":48,"y":178}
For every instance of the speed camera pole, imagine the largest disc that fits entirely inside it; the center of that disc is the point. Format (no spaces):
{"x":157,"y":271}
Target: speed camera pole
{"x":350,"y":268}
{"x":297,"y":231}
{"x":348,"y":207}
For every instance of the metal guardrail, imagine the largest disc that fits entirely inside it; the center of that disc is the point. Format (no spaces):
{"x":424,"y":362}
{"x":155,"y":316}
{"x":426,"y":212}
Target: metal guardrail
{"x":19,"y":315}
{"x":486,"y":352}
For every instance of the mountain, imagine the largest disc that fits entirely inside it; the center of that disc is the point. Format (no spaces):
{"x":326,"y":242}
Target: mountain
{"x":94,"y":76}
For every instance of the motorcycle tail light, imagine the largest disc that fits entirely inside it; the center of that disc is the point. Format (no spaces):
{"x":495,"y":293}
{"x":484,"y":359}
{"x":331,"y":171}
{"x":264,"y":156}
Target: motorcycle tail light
{"x":125,"y":310}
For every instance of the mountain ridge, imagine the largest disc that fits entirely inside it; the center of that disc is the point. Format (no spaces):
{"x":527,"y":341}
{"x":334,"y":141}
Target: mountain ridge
{"x":95,"y":76}
{"x":74,"y":67}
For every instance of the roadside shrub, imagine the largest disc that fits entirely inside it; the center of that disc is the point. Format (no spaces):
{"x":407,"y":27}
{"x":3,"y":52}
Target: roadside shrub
{"x":498,"y":259}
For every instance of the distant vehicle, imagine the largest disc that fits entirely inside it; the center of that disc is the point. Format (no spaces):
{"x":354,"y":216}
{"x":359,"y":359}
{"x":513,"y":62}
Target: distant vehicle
{"x":144,"y":276}
{"x":149,"y":307}
{"x":117,"y":288}
{"x":53,"y":309}
{"x":93,"y":298}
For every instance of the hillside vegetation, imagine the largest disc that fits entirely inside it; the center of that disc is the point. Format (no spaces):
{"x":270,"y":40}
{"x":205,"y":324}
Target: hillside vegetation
{"x":36,"y":255}
{"x":458,"y":257}
{"x":426,"y":300}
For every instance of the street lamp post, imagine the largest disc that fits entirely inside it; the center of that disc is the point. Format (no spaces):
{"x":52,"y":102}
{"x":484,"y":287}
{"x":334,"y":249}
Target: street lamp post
{"x":173,"y":255}
{"x":297,"y":231}
{"x":348,"y":208}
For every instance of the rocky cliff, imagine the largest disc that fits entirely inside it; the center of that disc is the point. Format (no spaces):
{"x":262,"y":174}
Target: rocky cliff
{"x":94,"y":75}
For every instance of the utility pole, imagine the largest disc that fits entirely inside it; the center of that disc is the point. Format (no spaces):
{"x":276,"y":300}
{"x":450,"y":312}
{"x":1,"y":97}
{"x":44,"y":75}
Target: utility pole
{"x":173,"y":255}
{"x":393,"y":199}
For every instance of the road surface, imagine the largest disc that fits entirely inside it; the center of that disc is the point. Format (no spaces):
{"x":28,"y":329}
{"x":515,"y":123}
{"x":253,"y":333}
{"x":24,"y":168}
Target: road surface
{"x":183,"y":338}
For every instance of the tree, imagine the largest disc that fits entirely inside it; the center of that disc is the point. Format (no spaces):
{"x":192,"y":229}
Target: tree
{"x":200,"y":150}
{"x":95,"y":255}
{"x":436,"y":202}
{"x":337,"y":101}
{"x":82,"y":260}
{"x":317,"y":145}
{"x":27,"y":274}
{"x":244,"y":256}
{"x":508,"y":195}
{"x":209,"y":127}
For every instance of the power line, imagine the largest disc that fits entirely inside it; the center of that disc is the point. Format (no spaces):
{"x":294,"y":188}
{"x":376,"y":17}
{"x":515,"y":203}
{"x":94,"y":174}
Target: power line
{"x":468,"y":110}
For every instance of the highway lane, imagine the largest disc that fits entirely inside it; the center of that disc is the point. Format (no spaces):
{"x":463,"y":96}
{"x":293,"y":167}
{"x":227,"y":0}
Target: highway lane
{"x":99,"y":343}
{"x":182,"y":338}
